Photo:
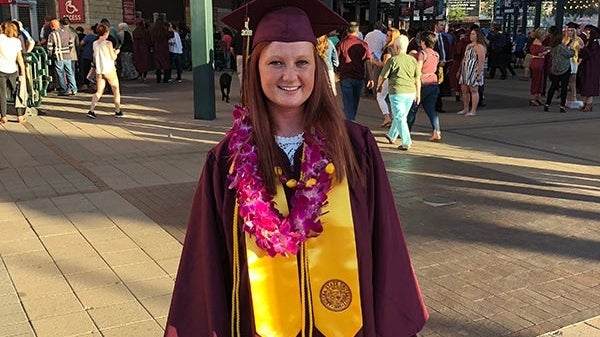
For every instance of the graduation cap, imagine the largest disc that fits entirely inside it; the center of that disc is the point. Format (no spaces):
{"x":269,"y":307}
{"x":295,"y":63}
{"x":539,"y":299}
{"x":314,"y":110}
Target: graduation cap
{"x":573,"y":25}
{"x":285,"y":20}
{"x":592,"y":27}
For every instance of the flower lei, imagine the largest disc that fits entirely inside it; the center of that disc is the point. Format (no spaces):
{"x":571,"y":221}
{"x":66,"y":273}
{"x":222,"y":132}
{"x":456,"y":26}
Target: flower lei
{"x":273,"y":232}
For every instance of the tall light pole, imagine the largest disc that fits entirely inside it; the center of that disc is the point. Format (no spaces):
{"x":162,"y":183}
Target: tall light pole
{"x":202,"y":59}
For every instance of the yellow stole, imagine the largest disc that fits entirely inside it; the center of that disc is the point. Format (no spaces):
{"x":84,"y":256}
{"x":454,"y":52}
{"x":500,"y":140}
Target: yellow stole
{"x":326,"y":268}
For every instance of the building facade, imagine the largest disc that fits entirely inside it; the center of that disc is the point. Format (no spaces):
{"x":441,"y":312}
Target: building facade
{"x":88,"y":12}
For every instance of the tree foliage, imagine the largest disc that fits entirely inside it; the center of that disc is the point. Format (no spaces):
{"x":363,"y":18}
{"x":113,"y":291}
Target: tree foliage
{"x":456,"y":14}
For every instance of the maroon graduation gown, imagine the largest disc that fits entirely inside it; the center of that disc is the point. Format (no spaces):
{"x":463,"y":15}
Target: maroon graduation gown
{"x":589,"y":70}
{"x":392,"y":305}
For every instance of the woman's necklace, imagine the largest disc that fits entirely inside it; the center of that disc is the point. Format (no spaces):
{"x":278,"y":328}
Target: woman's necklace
{"x":273,"y":232}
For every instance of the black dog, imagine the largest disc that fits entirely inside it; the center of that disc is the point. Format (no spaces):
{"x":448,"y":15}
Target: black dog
{"x":225,"y":83}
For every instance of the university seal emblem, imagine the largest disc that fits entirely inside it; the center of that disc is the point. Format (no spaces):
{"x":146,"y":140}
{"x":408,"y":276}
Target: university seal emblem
{"x":335,"y":295}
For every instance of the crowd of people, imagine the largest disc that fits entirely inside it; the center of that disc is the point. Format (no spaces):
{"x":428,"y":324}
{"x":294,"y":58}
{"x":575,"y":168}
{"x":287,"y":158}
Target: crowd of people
{"x":451,"y":63}
{"x":160,"y":46}
{"x":86,"y":61}
{"x":570,"y":58}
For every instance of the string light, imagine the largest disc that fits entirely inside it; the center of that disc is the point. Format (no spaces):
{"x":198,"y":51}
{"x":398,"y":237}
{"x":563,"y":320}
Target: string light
{"x":581,"y":4}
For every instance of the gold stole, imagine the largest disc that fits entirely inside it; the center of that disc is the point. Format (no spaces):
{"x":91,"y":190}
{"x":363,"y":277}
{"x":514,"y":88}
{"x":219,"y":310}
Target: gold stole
{"x":328,"y":271}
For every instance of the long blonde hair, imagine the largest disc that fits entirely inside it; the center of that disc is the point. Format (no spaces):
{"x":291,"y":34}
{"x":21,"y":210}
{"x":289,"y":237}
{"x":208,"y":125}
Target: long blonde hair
{"x":395,"y":34}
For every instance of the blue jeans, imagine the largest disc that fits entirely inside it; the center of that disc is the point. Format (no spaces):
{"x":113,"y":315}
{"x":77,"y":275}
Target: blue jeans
{"x":65,"y":68}
{"x":351,"y":90}
{"x":429,"y":94}
{"x":400,"y":104}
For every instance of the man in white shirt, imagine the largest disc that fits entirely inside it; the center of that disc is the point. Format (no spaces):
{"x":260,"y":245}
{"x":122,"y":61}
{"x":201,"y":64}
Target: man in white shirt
{"x":176,"y":51}
{"x":376,"y":39}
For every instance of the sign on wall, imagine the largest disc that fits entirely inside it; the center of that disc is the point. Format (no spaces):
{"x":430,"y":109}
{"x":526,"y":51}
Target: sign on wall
{"x":72,"y":9}
{"x":129,"y":11}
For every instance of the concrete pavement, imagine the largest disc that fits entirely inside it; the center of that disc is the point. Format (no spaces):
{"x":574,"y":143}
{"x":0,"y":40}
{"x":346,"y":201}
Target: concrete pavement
{"x":93,"y":212}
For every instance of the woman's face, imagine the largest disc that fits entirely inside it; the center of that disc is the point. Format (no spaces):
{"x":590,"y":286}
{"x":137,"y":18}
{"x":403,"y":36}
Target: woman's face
{"x":388,"y":36}
{"x":287,"y":74}
{"x":473,"y":36}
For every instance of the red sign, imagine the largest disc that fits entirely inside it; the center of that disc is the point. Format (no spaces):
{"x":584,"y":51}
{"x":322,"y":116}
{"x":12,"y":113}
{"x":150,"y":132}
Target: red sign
{"x":72,"y":9}
{"x":6,"y":2}
{"x":129,"y":11}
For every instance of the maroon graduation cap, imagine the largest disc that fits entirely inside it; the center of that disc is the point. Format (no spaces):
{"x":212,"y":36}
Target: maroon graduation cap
{"x":285,"y":20}
{"x":573,"y":25}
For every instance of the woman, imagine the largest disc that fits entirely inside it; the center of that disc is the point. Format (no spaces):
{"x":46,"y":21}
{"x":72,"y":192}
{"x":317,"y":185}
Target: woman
{"x":536,"y":67}
{"x":391,"y":35}
{"x":471,"y":72}
{"x":128,"y":71}
{"x":106,"y":71}
{"x":248,"y":270}
{"x":560,"y":72}
{"x":577,"y":44}
{"x":405,"y":88}
{"x":87,"y":57}
{"x":11,"y":65}
{"x":142,"y":57}
{"x":427,"y":61}
{"x":589,"y":69}
{"x":327,"y":52}
{"x":159,"y":35}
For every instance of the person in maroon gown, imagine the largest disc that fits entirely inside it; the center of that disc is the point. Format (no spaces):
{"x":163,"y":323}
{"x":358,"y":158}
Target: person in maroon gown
{"x":589,"y":68}
{"x":293,"y":228}
{"x":458,"y":52}
{"x":536,"y":67}
{"x":142,"y":58}
{"x":159,"y":36}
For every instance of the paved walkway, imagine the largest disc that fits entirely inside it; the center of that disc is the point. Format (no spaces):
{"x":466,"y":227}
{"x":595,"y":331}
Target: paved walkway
{"x":92,"y":213}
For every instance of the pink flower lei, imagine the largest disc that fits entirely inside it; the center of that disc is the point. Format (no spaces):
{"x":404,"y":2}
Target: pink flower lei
{"x":273,"y":232}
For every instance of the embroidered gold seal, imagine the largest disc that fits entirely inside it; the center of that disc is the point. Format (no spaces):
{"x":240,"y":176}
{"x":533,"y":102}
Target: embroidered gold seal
{"x":335,"y":295}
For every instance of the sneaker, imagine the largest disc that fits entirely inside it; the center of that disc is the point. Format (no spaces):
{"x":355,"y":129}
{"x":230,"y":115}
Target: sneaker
{"x":73,"y":93}
{"x":91,"y":114}
{"x":179,"y":81}
{"x":119,"y":114}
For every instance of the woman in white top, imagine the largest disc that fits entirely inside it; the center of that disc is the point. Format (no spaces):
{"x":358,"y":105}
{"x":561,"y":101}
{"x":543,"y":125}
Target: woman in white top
{"x":106,"y":71}
{"x":11,"y":63}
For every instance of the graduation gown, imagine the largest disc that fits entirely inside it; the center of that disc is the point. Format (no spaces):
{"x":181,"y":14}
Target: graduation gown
{"x":391,"y":301}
